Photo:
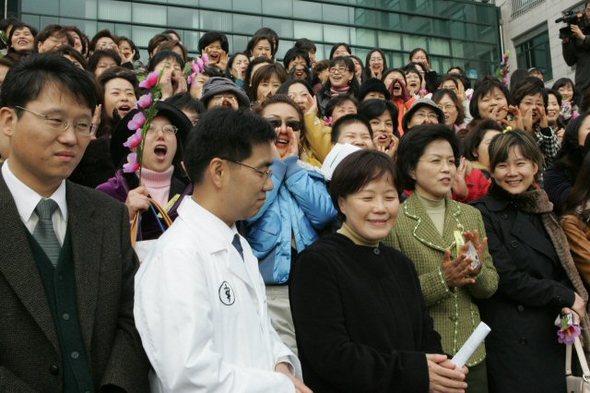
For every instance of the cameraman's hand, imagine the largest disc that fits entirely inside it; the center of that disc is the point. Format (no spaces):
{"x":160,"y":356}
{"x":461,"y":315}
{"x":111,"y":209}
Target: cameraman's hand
{"x":577,"y":32}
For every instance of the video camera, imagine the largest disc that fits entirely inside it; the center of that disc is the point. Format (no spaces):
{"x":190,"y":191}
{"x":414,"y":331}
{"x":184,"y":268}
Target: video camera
{"x":572,"y":18}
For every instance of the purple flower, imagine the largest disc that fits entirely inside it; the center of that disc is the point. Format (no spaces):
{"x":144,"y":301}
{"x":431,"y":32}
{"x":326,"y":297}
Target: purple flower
{"x":145,"y":101}
{"x":150,"y":81}
{"x":131,"y":166}
{"x":568,"y":335}
{"x":134,"y":140}
{"x":137,"y":121}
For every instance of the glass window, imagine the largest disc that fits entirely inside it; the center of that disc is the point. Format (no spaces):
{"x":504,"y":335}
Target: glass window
{"x":246,"y":24}
{"x":283,"y":8}
{"x":115,"y":10}
{"x":142,"y":35}
{"x":389,"y":40}
{"x":238,"y":44}
{"x":335,"y":13}
{"x":48,"y":20}
{"x":217,"y":4}
{"x":283,"y":27}
{"x":312,"y":31}
{"x":411,"y":42}
{"x":248,"y":5}
{"x":149,"y":14}
{"x":32,"y":20}
{"x":87,"y":26}
{"x":336,"y":33}
{"x":183,"y":17}
{"x":124,"y":30}
{"x":307,"y":10}
{"x":535,"y":52}
{"x":437,"y":46}
{"x":216,"y":21}
{"x":40,"y":7}
{"x":363,"y":37}
{"x":78,"y":8}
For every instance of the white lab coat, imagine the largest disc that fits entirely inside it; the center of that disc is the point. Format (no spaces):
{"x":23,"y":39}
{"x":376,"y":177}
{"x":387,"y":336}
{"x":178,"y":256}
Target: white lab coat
{"x":201,"y":312}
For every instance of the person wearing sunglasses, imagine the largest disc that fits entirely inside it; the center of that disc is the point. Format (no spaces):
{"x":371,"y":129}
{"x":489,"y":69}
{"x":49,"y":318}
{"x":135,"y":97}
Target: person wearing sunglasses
{"x":298,"y":207}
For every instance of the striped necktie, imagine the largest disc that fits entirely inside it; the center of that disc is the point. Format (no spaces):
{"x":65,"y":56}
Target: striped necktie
{"x":44,"y":233}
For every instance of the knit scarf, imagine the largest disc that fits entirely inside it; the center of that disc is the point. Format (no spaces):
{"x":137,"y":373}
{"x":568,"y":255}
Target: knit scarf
{"x":336,"y":91}
{"x":535,"y":201}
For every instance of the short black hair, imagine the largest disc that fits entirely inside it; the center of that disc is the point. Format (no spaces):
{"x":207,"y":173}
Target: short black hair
{"x":475,"y":135}
{"x":529,"y":86}
{"x":155,"y":42}
{"x":305,"y":44}
{"x":293,"y":54}
{"x":185,"y":101}
{"x":49,"y":31}
{"x":349,"y":119}
{"x":83,"y":38}
{"x":284,"y":89}
{"x":484,"y":87}
{"x":20,"y":26}
{"x":212,"y":36}
{"x":67,"y":50}
{"x":26,"y":80}
{"x":416,"y":50}
{"x":413,"y":144}
{"x":131,"y":44}
{"x":162,"y":55}
{"x":357,"y":170}
{"x":171,"y":31}
{"x":101,"y":34}
{"x":374,"y":108}
{"x":115,"y":73}
{"x":439,"y":94}
{"x":99,"y":54}
{"x":227,"y":133}
{"x":367,"y":70}
{"x":336,"y":46}
{"x":339,"y":100}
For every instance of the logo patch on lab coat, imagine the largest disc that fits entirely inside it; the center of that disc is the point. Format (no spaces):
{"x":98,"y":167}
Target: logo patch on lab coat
{"x":226,"y":294}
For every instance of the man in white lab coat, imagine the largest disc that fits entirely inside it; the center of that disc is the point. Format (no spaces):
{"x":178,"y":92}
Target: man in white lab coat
{"x":200,"y":304}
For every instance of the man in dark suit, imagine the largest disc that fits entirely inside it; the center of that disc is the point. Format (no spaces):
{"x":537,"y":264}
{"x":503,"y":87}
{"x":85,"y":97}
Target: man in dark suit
{"x":66,"y":264}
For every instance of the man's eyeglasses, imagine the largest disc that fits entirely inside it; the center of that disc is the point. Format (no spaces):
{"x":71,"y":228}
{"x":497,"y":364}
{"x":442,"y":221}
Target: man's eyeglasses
{"x":292,"y":124}
{"x":82,"y":127}
{"x":264,"y":173}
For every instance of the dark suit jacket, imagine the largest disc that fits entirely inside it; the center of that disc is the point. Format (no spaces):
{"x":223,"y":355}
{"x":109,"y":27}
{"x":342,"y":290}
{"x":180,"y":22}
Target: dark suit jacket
{"x":104,"y":265}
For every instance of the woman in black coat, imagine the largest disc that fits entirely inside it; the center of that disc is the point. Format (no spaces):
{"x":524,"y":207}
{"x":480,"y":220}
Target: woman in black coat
{"x":538,"y":279}
{"x":359,"y":315}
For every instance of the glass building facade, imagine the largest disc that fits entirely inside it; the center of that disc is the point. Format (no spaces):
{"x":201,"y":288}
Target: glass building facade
{"x":455,"y":33}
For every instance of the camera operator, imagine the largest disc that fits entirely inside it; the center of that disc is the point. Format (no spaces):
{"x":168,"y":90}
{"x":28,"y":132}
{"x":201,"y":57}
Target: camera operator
{"x":576,"y":49}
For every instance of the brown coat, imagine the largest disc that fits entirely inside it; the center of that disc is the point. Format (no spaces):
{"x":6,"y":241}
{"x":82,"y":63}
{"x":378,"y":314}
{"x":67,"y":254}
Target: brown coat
{"x":104,"y":265}
{"x":578,"y":236}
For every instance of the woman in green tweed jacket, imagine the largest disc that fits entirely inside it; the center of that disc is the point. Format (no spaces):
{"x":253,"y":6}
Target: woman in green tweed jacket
{"x":428,"y":228}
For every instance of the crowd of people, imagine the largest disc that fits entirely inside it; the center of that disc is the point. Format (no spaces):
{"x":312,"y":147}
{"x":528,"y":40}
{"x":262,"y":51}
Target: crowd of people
{"x":325,"y":225}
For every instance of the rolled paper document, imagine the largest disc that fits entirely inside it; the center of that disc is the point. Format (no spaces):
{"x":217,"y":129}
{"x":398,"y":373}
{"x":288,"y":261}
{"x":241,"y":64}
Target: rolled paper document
{"x":476,"y":338}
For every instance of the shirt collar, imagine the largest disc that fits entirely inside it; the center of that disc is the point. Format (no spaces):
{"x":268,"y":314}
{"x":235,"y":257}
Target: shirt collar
{"x":26,"y":199}
{"x":220,"y":233}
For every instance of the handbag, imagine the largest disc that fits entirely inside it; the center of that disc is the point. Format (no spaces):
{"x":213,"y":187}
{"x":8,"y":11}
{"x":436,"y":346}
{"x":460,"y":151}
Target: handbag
{"x":143,"y":247}
{"x":576,"y":384}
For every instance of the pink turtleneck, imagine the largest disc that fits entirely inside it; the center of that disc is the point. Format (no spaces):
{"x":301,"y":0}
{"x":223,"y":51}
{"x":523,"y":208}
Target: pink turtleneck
{"x":158,"y":184}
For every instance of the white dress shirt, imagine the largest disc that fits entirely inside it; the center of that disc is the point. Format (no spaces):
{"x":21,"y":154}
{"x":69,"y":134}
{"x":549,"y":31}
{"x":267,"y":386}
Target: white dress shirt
{"x":202,"y":315}
{"x":26,"y":200}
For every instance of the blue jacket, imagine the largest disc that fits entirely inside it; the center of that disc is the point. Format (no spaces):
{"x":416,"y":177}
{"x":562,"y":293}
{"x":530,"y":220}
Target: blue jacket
{"x":299,"y":205}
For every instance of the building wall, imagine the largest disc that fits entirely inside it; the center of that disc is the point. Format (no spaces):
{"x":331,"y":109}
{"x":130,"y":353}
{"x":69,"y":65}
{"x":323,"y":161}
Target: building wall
{"x":460,"y":32}
{"x":543,"y":13}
